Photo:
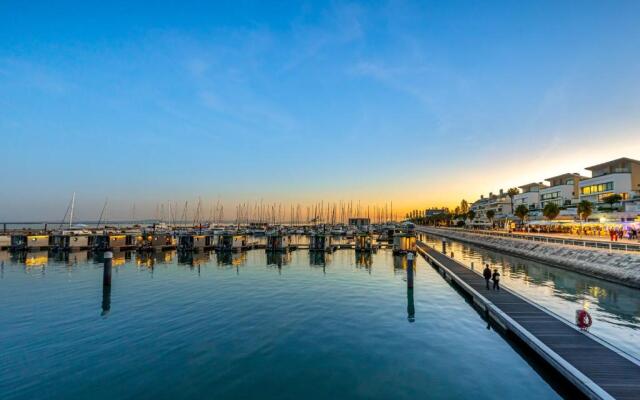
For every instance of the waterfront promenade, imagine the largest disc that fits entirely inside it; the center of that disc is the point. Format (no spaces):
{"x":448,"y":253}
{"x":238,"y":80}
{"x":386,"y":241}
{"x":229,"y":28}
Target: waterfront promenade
{"x":596,"y":242}
{"x":597,"y":369}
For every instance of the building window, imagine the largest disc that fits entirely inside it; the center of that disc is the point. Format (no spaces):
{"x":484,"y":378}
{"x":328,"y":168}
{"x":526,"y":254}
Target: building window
{"x":592,"y":189}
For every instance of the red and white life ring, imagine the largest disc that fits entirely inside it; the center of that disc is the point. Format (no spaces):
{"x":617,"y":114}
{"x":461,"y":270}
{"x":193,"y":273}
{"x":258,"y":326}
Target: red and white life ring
{"x":583,"y":319}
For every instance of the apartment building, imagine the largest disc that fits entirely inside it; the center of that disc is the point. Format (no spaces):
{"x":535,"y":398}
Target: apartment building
{"x":564,"y":190}
{"x":620,"y":176}
{"x":529,"y":195}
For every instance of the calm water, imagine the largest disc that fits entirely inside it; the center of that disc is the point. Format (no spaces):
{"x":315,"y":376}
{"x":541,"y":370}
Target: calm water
{"x":615,"y":308}
{"x":247,"y":326}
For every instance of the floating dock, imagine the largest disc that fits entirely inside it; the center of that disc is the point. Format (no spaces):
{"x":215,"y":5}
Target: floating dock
{"x":596,"y":368}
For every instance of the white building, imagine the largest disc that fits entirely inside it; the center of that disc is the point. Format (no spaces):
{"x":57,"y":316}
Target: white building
{"x":621,"y":176}
{"x":529,"y":196}
{"x":500,"y":204}
{"x":563,"y":190}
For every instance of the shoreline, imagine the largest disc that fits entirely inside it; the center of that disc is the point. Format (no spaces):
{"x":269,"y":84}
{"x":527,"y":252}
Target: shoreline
{"x":623,"y":269}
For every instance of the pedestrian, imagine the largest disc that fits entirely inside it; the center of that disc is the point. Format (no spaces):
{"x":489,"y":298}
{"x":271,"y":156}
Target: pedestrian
{"x":496,"y":279}
{"x":487,"y":274}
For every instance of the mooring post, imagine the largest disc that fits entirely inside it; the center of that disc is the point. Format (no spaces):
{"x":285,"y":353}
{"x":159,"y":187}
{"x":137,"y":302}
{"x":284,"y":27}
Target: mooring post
{"x":452,"y":254}
{"x":106,"y":271}
{"x":444,"y":247}
{"x":410,"y":270}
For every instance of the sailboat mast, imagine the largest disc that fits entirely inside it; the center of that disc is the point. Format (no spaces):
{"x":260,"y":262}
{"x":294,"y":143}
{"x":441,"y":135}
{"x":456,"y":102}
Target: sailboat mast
{"x":73,"y":202}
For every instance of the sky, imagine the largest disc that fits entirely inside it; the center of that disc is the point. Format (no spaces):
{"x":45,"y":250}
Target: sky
{"x":420,"y":103}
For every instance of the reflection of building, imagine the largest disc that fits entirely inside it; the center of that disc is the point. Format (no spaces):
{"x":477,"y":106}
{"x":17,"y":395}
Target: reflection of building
{"x":191,"y":258}
{"x":621,"y":176}
{"x":5,"y":241}
{"x":319,"y":258}
{"x":364,"y":259}
{"x":563,"y":190}
{"x":400,"y":261}
{"x":36,"y":259}
{"x":231,"y":258}
{"x":278,"y":258}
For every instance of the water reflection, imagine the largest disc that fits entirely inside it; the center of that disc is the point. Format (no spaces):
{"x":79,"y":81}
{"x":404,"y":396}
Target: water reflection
{"x":278,"y":258}
{"x":411,"y":309}
{"x":399,"y":263}
{"x":226,"y":258}
{"x":194,"y":259}
{"x":34,"y":258}
{"x":319,"y":258}
{"x":106,"y":300}
{"x":149,"y":259}
{"x":363,"y":259}
{"x":615,"y":308}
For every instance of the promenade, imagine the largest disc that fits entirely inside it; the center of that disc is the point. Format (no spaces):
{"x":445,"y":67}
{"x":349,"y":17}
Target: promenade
{"x":596,"y":242}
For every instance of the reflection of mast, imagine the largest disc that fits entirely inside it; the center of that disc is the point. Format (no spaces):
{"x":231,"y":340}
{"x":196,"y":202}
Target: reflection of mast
{"x":106,"y":300}
{"x":411,"y":309}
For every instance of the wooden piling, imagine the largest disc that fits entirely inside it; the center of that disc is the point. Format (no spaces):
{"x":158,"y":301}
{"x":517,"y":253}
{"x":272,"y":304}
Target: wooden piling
{"x":106,"y":271}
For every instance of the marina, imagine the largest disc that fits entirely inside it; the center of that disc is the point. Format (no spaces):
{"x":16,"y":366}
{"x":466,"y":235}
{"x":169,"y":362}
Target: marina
{"x":320,"y":200}
{"x":331,"y":321}
{"x":535,"y":328}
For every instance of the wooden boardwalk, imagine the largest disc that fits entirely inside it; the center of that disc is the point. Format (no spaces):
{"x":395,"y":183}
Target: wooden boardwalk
{"x":597,"y":369}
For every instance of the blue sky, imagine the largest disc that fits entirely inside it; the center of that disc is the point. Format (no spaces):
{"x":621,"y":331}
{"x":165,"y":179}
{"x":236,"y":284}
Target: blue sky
{"x":422,"y":103}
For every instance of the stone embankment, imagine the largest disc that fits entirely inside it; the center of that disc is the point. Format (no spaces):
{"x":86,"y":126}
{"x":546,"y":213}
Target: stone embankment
{"x":618,"y":267}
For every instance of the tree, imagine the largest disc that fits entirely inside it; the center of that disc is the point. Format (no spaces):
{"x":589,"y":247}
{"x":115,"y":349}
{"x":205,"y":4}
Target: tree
{"x":585,"y":208}
{"x":490,"y":214}
{"x":464,"y":206}
{"x":511,"y":193}
{"x":471,"y":215}
{"x":612,"y":199}
{"x":521,"y":212}
{"x":551,"y":211}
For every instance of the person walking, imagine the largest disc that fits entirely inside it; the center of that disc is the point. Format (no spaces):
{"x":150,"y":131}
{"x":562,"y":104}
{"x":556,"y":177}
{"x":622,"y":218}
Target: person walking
{"x":487,"y":274}
{"x":496,"y":280}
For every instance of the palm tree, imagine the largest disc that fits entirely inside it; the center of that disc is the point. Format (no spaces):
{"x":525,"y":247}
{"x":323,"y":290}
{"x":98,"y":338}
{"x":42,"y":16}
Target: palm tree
{"x":490,"y":214}
{"x":584,"y":209}
{"x":551,"y":211}
{"x":521,"y":212}
{"x":511,"y":193}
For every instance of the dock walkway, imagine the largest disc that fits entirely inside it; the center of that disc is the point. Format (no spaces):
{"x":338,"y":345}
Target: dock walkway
{"x":599,"y":370}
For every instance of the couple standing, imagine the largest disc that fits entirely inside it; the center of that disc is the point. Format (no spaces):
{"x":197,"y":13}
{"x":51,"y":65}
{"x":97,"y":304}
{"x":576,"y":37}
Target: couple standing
{"x":495,"y":277}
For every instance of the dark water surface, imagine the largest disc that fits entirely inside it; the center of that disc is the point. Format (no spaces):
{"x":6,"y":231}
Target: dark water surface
{"x":233,"y":326}
{"x":615,"y":308}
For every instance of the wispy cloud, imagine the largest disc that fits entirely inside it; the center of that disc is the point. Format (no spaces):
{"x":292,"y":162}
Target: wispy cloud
{"x":34,"y":76}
